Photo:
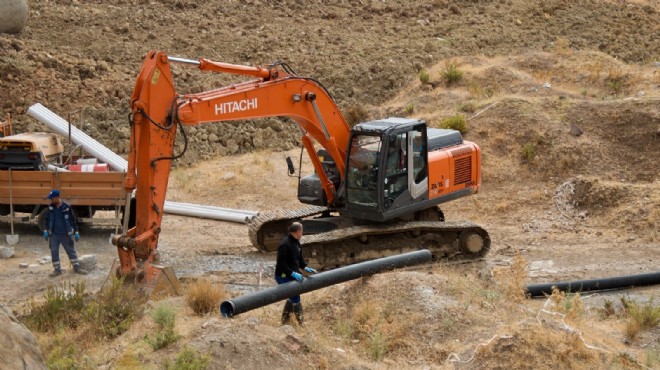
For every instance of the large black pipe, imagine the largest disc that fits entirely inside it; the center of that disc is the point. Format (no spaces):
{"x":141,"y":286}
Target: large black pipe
{"x":616,"y":282}
{"x":321,"y":280}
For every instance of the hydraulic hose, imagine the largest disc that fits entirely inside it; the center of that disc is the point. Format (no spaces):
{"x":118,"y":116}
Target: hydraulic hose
{"x":616,"y":282}
{"x":321,"y":280}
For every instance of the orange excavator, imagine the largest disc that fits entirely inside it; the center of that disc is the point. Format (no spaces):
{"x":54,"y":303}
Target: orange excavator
{"x":376,"y":186}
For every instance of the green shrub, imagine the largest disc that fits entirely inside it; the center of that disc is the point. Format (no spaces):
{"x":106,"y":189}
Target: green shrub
{"x":424,"y":77}
{"x":377,"y":345}
{"x":647,"y":316}
{"x":528,"y":152}
{"x":62,"y":356}
{"x":452,"y":74}
{"x":62,"y":308}
{"x":410,"y":109}
{"x":165,"y":317}
{"x":456,"y":122}
{"x":188,"y":359}
{"x":116,"y":307}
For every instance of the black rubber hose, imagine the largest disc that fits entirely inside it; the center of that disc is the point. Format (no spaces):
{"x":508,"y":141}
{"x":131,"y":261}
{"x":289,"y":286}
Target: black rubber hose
{"x":321,"y":280}
{"x":616,"y":282}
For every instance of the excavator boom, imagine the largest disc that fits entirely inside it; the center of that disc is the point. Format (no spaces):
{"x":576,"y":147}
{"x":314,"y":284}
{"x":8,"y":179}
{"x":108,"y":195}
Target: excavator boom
{"x":157,"y":112}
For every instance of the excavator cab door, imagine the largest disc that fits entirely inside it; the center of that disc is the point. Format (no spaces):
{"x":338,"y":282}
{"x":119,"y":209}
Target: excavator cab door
{"x":405,"y":182}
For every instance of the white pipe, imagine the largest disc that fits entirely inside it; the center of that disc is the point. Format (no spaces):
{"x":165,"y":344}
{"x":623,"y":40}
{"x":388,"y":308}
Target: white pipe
{"x":57,"y":169}
{"x":216,"y":215}
{"x":61,"y":126}
{"x":210,"y":208}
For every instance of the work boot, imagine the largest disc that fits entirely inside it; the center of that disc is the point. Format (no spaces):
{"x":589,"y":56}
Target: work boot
{"x":80,"y":271}
{"x":297,"y":309}
{"x":55,"y":273}
{"x":286,"y":314}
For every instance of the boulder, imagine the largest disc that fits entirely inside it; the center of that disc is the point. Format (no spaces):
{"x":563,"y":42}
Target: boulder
{"x":13,"y":15}
{"x":88,"y":262}
{"x":6,"y":252}
{"x":18,"y":346}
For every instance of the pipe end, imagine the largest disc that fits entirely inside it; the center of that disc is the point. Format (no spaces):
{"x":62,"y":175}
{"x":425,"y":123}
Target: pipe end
{"x":227,"y":309}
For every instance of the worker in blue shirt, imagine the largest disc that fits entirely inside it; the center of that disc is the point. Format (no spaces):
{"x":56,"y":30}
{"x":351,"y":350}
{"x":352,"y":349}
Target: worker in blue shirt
{"x":61,"y":228}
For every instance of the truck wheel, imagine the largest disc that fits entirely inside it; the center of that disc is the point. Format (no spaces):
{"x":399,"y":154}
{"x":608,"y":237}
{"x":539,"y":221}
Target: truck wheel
{"x":4,"y":210}
{"x":41,"y":219}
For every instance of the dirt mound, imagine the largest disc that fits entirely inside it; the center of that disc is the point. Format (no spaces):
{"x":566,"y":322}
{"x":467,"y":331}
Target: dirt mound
{"x":93,"y":64}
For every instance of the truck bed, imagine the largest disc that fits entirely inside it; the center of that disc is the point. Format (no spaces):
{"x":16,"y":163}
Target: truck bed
{"x":76,"y":188}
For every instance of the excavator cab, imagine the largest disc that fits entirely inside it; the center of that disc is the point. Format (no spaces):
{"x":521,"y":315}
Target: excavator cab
{"x":387,"y":169}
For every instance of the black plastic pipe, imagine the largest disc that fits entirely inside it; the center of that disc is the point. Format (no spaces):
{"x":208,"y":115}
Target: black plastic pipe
{"x":616,"y":282}
{"x":321,"y":280}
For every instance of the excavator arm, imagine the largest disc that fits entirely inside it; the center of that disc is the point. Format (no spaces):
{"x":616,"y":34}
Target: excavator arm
{"x":157,"y":112}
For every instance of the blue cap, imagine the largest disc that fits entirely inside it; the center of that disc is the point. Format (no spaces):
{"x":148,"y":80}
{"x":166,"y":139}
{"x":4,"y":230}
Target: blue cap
{"x":53,"y":193}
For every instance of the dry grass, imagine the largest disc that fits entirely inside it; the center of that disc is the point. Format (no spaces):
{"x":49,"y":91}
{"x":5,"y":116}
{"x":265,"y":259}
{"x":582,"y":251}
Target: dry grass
{"x":511,"y":281}
{"x":570,"y":304}
{"x":204,"y":297}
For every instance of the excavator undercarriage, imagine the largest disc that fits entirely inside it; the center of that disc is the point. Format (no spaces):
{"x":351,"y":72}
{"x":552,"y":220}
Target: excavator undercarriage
{"x":331,"y":241}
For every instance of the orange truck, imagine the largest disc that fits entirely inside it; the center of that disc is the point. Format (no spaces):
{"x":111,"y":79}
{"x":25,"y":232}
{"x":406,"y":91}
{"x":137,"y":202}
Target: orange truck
{"x":29,"y":169}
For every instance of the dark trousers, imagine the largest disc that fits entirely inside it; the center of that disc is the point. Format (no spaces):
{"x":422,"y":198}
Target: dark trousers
{"x":67,"y":242}
{"x":281,"y":280}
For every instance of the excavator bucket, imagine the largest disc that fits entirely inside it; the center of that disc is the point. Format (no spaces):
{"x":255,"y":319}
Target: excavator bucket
{"x":154,"y":280}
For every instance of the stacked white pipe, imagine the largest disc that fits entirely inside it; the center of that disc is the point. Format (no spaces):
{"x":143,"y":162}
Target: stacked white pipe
{"x":61,"y":126}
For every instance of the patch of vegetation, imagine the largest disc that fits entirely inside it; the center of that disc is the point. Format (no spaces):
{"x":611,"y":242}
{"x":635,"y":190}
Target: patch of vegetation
{"x":528,"y":152}
{"x":204,"y":297}
{"x":68,"y":320}
{"x":456,"y":122}
{"x":410,"y":109}
{"x":355,"y":114}
{"x":377,"y":345}
{"x":452,"y":74}
{"x":63,"y":307}
{"x":115,"y":309}
{"x":608,"y":309}
{"x":61,"y":354}
{"x":570,"y":304}
{"x":512,"y":280}
{"x":468,"y":107}
{"x":424,"y":76}
{"x":188,"y":359}
{"x":616,"y":81}
{"x":165,"y":317}
{"x":641,"y":317}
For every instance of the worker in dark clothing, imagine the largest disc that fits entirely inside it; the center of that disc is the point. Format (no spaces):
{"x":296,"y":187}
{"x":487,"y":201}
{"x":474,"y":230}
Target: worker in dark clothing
{"x":289,"y":263}
{"x":61,"y":228}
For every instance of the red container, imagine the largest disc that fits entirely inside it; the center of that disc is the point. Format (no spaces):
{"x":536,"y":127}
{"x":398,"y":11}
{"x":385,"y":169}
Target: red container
{"x":103,"y":167}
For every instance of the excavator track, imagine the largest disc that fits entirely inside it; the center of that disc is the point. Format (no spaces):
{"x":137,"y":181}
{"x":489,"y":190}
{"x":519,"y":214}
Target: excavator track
{"x":267,"y":229}
{"x":458,"y":240}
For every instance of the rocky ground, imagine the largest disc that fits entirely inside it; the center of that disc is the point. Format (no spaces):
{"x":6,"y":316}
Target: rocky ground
{"x":575,"y":83}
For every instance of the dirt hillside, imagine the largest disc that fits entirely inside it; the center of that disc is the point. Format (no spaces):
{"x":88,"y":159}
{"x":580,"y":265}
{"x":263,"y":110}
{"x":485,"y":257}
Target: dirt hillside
{"x":563,"y":97}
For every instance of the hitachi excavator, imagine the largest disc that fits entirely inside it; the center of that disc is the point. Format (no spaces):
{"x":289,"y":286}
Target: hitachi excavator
{"x":374,"y":192}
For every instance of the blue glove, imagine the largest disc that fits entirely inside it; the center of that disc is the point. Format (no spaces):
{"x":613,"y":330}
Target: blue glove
{"x":310,"y":270}
{"x":46,"y":234}
{"x":76,"y":236}
{"x":297,"y":276}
